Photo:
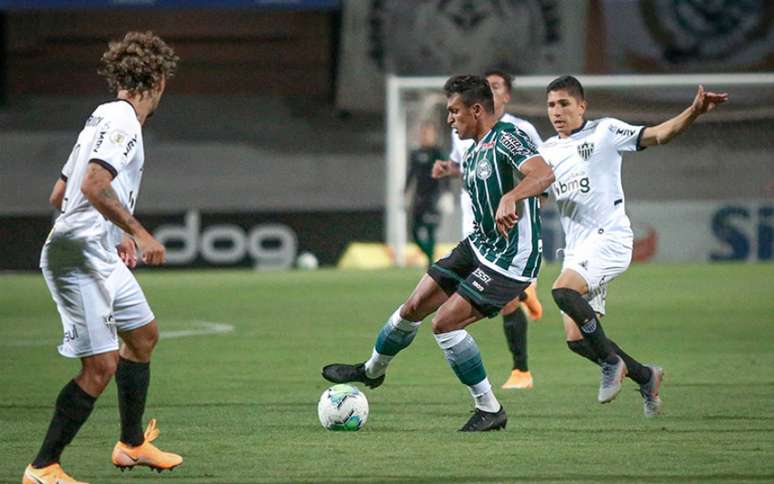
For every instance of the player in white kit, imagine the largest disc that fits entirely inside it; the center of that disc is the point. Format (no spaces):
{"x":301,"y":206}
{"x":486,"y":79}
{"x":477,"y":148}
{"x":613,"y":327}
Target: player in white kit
{"x":586,"y":158}
{"x":85,"y":258}
{"x":514,"y":318}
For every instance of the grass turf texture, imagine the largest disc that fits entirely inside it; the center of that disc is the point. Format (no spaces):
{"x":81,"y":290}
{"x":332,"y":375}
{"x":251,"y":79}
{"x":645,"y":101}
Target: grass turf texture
{"x":241,"y":406}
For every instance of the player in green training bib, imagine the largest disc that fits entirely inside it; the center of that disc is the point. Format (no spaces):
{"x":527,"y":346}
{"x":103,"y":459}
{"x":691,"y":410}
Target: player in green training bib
{"x":503,"y":173}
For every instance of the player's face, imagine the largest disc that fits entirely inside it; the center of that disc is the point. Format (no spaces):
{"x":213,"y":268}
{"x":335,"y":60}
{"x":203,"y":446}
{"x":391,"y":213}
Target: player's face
{"x":500,"y":92}
{"x":462,"y":118}
{"x":565,"y":112}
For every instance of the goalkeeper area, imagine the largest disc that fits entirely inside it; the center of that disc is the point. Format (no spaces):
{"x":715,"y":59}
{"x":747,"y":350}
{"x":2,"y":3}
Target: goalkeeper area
{"x":236,"y":379}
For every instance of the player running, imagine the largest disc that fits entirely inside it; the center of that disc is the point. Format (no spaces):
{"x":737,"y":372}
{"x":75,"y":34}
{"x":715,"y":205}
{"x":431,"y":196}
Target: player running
{"x":503,"y":173}
{"x":514,"y":317}
{"x":586,"y":158}
{"x":85,"y":259}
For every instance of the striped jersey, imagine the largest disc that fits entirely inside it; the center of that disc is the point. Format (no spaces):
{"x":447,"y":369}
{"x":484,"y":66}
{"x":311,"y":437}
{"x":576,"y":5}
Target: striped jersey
{"x":490,"y":169}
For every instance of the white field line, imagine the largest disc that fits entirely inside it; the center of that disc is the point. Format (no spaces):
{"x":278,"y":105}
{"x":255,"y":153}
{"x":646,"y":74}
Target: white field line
{"x":198,"y":328}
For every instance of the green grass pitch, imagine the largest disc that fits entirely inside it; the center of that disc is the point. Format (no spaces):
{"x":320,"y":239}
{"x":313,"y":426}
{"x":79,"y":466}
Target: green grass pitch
{"x":240,"y":406}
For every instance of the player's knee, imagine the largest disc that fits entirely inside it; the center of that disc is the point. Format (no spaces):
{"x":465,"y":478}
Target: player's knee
{"x":564,"y":296}
{"x":100,"y":371}
{"x":412,"y":309}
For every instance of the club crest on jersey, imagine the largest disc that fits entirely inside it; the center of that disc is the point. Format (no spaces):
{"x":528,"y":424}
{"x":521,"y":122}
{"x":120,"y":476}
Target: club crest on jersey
{"x":585,"y":150}
{"x":483,"y":170}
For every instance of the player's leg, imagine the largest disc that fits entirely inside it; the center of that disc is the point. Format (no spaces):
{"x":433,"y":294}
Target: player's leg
{"x":399,"y":331}
{"x":74,"y":405}
{"x":139,"y":332}
{"x":83,"y":310}
{"x":515,"y":329}
{"x":396,"y":334}
{"x":483,"y":293}
{"x":568,"y":293}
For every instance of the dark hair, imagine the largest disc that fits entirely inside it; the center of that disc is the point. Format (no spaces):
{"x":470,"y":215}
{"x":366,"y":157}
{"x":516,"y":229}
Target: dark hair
{"x":569,"y":84}
{"x":137,"y":63}
{"x":507,"y":78}
{"x":472,"y":90}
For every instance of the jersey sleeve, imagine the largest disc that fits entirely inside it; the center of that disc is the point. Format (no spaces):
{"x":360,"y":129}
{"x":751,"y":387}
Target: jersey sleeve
{"x":116,"y":140}
{"x":457,"y":150}
{"x":67,"y":169}
{"x":624,"y":136}
{"x":530,"y":131}
{"x":516,"y":148}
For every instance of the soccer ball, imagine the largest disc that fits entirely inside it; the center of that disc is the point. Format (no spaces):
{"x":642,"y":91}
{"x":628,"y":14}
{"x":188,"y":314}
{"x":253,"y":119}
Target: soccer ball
{"x":307,"y":261}
{"x":342,"y":407}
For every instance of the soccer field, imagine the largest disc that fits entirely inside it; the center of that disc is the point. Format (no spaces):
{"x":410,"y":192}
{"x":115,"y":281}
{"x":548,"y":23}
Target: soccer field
{"x":240,"y":402}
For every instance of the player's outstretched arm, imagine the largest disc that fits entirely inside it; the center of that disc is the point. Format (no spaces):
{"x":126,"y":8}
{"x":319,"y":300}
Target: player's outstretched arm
{"x":97,"y":189}
{"x":663,"y":133}
{"x":445,"y":168}
{"x":57,"y":194}
{"x":538,"y":176}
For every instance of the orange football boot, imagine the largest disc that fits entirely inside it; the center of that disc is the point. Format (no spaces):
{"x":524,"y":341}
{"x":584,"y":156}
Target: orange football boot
{"x":145,"y":454}
{"x":519,"y":380}
{"x":51,"y":474}
{"x":531,"y":303}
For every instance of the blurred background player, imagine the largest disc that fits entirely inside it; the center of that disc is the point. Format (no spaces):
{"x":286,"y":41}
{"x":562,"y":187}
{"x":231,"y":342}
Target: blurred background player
{"x":514,"y":317}
{"x":586,"y":158}
{"x":86,"y":261}
{"x":489,"y":268}
{"x":425,"y":215}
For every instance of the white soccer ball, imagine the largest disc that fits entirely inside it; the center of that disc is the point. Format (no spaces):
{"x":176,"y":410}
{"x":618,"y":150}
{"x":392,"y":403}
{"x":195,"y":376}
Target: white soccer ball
{"x":307,"y":261}
{"x":343,"y":407}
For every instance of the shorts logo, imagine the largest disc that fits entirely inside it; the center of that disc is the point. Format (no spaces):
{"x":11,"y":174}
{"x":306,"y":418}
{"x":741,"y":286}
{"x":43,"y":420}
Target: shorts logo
{"x":482,"y":276}
{"x":71,"y":335}
{"x":483,"y":170}
{"x":109,"y":319}
{"x":478,"y":286}
{"x":590,"y":326}
{"x":585,"y":150}
{"x":584,"y":264}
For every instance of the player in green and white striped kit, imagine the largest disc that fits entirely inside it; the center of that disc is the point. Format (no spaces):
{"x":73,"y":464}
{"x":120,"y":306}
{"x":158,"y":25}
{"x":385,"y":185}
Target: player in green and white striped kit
{"x":503,"y":173}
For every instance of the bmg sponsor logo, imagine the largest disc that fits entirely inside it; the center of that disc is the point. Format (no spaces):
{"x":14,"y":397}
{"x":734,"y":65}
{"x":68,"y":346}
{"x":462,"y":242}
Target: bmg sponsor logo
{"x":582,"y":185}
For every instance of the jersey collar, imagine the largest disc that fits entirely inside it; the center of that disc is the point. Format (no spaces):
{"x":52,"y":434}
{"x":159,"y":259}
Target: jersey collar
{"x":579,"y":129}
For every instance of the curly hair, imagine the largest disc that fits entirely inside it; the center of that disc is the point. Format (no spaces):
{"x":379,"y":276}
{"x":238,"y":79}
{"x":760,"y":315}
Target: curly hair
{"x":137,"y":63}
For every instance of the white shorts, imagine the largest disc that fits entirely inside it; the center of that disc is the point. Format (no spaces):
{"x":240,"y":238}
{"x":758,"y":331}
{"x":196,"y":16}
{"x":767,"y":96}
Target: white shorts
{"x":599,"y":259}
{"x":93,"y":310}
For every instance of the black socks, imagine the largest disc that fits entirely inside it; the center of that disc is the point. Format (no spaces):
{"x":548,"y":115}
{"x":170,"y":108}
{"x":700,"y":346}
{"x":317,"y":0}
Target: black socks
{"x":132,"y":380}
{"x":573,"y":304}
{"x":515,"y":327}
{"x":73,"y":407}
{"x":636,"y":370}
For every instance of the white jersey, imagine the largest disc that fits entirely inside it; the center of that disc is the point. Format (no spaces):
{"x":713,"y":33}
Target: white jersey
{"x":460,"y":146}
{"x":111,"y":137}
{"x":587,"y":166}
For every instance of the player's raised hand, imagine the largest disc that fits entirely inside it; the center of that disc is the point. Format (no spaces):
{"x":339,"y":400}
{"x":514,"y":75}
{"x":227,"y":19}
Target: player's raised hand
{"x":506,"y":216}
{"x":153,"y":252}
{"x":705,"y":102}
{"x":127,"y":251}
